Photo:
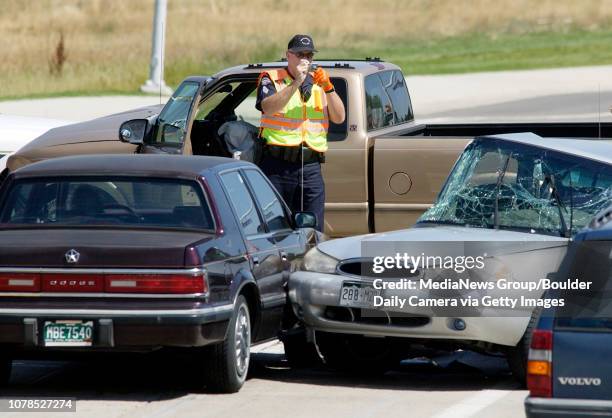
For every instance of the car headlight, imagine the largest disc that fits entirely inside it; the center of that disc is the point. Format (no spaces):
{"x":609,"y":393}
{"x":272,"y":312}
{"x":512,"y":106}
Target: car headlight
{"x":317,"y":261}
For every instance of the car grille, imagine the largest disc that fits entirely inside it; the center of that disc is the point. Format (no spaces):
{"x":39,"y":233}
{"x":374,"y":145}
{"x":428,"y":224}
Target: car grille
{"x":362,"y":267}
{"x":374,"y":317}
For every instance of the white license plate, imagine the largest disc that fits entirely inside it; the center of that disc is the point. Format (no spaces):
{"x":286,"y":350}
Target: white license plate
{"x":68,"y":333}
{"x":358,"y":295}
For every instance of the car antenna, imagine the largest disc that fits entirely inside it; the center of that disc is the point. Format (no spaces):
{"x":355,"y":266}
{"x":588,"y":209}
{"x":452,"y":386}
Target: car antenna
{"x":599,"y":110}
{"x":161,"y":63}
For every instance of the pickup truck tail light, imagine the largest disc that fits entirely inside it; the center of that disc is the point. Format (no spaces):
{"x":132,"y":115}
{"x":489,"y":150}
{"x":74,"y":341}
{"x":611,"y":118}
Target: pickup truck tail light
{"x":156,"y":283}
{"x":19,"y":282}
{"x":187,"y":283}
{"x":539,"y":364}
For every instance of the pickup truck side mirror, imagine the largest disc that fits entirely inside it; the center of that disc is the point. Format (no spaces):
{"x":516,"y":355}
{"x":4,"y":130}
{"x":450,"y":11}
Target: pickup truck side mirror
{"x":134,"y":131}
{"x":305,"y":220}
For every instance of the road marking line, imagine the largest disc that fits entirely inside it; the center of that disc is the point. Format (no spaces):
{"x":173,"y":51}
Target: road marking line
{"x":170,"y":409}
{"x":469,"y":406}
{"x":259,"y":348}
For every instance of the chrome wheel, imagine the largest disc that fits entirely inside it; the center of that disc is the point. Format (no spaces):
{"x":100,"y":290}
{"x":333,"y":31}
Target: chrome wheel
{"x":243,"y":340}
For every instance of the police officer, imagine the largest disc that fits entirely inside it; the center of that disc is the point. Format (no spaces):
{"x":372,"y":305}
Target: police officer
{"x":296,"y":107}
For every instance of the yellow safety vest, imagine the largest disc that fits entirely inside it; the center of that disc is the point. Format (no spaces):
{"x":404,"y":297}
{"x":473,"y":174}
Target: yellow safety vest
{"x":298,"y":122}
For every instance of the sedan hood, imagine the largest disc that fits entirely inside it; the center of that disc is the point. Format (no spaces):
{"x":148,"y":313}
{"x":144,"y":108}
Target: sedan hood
{"x":106,"y":248}
{"x":351,"y":247}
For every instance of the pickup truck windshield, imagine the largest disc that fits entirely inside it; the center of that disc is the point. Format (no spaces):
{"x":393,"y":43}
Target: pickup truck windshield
{"x":118,"y":202}
{"x":500,"y":184}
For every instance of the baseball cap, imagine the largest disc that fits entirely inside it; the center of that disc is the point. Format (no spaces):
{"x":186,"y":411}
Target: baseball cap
{"x":300,"y":43}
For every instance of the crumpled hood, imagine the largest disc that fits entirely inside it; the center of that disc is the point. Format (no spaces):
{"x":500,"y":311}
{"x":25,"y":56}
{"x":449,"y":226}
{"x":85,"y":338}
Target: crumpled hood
{"x":501,"y":240}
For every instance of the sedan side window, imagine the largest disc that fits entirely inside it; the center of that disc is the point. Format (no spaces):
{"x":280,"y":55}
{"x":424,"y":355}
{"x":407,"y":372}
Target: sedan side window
{"x":242,"y":202}
{"x":269,"y":202}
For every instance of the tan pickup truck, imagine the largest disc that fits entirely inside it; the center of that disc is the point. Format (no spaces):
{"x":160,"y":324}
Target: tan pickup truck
{"x":383,"y":168}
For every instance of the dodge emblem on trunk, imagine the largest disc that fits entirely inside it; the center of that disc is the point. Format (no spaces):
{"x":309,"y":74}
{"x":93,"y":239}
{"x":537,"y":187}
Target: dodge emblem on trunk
{"x":72,"y":256}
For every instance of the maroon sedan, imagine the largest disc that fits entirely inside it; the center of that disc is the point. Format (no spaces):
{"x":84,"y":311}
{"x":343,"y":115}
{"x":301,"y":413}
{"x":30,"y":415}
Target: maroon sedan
{"x":142,"y":252}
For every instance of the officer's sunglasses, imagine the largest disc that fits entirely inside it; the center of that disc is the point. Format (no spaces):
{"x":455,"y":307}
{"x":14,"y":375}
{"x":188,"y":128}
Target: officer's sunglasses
{"x":307,"y":55}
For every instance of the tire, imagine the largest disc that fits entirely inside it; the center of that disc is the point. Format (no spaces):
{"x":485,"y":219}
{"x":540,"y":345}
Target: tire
{"x":227,"y":363}
{"x":299,"y":352}
{"x":517,"y":356}
{"x":6,"y":365}
{"x":357,"y":355}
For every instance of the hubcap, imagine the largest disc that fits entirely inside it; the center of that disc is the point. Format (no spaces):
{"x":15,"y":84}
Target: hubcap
{"x":243,"y":341}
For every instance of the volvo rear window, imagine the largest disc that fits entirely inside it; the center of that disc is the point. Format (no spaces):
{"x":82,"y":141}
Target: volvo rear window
{"x":590,"y":262}
{"x":140,"y":202}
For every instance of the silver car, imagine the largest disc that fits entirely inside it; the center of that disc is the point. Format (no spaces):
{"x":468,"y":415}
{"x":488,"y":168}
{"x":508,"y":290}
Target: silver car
{"x":513,"y":200}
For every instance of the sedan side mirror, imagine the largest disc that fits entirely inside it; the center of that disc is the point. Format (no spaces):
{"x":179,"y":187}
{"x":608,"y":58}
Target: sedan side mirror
{"x":305,"y":220}
{"x":133,"y":131}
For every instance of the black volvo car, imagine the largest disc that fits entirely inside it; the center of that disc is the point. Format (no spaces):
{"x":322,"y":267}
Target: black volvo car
{"x":142,"y":252}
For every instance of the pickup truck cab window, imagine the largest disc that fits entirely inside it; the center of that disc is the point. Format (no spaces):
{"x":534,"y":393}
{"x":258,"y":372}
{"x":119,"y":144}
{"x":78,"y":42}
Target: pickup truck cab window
{"x":387,"y":100}
{"x":395,"y":86}
{"x":172,"y":121}
{"x":338,"y":131}
{"x":242,"y":202}
{"x":271,"y":207}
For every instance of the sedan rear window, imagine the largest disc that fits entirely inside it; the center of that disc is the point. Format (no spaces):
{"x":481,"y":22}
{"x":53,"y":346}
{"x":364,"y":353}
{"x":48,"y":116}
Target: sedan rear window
{"x":115,"y":201}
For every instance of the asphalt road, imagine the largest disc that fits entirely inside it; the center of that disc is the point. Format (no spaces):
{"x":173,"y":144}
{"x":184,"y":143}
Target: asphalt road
{"x":460,"y":385}
{"x":575,"y":107}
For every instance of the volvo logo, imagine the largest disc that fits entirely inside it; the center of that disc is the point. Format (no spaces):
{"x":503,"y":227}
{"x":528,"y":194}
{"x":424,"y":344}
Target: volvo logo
{"x":72,"y":256}
{"x":580,"y":381}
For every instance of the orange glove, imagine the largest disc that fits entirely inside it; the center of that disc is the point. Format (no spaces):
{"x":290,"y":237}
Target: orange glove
{"x":321,"y":77}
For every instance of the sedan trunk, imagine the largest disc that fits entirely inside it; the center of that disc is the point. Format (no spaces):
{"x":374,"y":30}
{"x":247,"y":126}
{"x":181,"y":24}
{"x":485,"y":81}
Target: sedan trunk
{"x":106,"y":248}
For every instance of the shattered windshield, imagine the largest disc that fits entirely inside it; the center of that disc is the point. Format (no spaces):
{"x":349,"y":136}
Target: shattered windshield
{"x":501,"y":184}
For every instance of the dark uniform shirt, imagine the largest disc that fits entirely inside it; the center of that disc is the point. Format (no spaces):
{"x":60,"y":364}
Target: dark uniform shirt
{"x":266,"y":89}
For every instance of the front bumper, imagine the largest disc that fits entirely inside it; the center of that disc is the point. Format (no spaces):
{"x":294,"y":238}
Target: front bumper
{"x":566,"y":408}
{"x":313,"y":294}
{"x":21,"y":329}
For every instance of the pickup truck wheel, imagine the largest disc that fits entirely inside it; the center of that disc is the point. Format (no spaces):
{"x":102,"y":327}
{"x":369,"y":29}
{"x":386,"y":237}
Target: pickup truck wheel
{"x":299,"y":352}
{"x":227,"y":364}
{"x":355,"y":354}
{"x":517,"y":356}
{"x":6,"y":364}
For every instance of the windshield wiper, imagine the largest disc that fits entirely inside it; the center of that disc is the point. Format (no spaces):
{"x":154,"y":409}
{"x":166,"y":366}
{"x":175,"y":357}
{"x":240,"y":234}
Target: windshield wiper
{"x":500,"y":178}
{"x":550,"y":179}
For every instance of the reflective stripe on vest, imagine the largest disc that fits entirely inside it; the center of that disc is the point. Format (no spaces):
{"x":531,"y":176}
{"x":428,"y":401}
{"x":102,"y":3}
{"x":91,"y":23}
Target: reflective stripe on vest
{"x":298,"y":122}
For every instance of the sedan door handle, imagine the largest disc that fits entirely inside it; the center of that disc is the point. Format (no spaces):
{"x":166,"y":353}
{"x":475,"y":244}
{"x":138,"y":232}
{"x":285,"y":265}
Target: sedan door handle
{"x":255,"y":260}
{"x":284,"y":256}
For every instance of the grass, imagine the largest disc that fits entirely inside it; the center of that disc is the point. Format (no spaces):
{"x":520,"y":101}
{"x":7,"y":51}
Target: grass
{"x":107,"y":42}
{"x":476,"y":52}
